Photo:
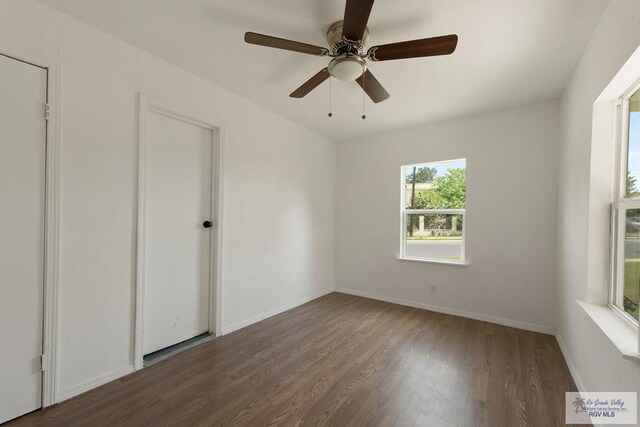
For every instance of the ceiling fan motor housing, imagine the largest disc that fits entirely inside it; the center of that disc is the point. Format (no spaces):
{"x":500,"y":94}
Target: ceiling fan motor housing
{"x":334,"y":35}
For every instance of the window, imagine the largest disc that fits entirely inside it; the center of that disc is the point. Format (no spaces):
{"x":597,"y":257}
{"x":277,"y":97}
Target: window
{"x":626,"y":213}
{"x":433,"y":211}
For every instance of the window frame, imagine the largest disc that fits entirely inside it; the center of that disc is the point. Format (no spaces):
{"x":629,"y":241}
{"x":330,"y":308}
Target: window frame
{"x":404,"y":212}
{"x":621,"y":203}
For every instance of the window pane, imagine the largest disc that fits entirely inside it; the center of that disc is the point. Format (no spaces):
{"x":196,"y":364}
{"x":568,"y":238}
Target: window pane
{"x":434,"y":236}
{"x":633,"y":147}
{"x":439,"y":185}
{"x":631,"y":262}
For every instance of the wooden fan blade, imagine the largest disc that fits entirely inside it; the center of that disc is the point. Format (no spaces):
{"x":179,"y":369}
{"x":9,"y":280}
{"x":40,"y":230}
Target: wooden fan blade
{"x":278,"y":43}
{"x":356,"y":16}
{"x":311,"y":84}
{"x":443,"y":45}
{"x":372,"y":87}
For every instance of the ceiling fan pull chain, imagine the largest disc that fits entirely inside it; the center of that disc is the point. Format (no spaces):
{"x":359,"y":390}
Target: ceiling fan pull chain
{"x":363,"y":92}
{"x":330,"y":113}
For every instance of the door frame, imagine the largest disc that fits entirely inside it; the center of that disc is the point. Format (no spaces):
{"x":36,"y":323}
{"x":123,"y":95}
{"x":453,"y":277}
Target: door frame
{"x":148,"y":104}
{"x":50,"y":303}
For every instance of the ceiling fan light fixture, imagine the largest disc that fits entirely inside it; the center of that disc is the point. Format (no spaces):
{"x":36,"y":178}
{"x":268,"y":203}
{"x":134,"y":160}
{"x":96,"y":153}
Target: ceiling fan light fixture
{"x":347,"y":67}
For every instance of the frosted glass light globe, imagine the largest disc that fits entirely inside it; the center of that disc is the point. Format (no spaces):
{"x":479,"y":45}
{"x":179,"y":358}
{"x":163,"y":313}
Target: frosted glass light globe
{"x":347,"y":68}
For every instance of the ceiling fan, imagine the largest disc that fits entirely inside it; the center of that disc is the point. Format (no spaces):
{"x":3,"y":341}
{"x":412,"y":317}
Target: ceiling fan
{"x":346,"y":39}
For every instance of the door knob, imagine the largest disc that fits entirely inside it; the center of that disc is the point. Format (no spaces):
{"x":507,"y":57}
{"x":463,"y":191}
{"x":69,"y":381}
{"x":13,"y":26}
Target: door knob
{"x":207,"y":224}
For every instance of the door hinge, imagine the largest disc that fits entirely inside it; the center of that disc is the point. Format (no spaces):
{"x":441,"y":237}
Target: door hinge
{"x":47,"y":111}
{"x":43,"y":362}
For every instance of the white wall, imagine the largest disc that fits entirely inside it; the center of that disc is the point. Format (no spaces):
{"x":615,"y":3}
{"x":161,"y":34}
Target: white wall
{"x":279,"y":178}
{"x":597,"y":363}
{"x":511,"y":216}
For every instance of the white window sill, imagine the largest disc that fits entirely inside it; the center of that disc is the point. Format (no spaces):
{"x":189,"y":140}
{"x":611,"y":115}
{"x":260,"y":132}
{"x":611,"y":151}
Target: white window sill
{"x":434,"y":261}
{"x":621,"y":332}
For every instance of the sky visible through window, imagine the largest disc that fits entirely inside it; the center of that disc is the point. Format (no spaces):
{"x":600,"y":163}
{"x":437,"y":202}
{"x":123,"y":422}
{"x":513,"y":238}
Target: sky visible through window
{"x":443,"y":167}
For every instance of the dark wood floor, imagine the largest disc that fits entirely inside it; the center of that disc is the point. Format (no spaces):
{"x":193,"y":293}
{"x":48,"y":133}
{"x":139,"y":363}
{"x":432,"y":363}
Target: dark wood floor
{"x":341,"y":360}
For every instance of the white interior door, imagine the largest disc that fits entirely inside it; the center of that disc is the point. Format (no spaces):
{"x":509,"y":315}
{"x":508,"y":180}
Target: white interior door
{"x":177,"y":244}
{"x":23,"y":89}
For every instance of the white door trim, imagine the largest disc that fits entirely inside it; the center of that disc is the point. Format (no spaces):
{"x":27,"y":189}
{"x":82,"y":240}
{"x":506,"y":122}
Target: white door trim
{"x":52,"y":216}
{"x":149,"y":104}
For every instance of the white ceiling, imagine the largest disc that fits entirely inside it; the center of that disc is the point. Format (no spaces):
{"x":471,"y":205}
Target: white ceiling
{"x":510,"y":52}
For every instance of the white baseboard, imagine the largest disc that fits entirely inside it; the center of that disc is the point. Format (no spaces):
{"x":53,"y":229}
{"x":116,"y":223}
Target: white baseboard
{"x":265,"y":315}
{"x":91,"y":384}
{"x":455,"y":312}
{"x":570,"y":365}
{"x":572,"y":368}
{"x":111,"y":376}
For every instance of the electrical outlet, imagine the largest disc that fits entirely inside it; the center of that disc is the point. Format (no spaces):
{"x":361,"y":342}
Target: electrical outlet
{"x":434,"y":289}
